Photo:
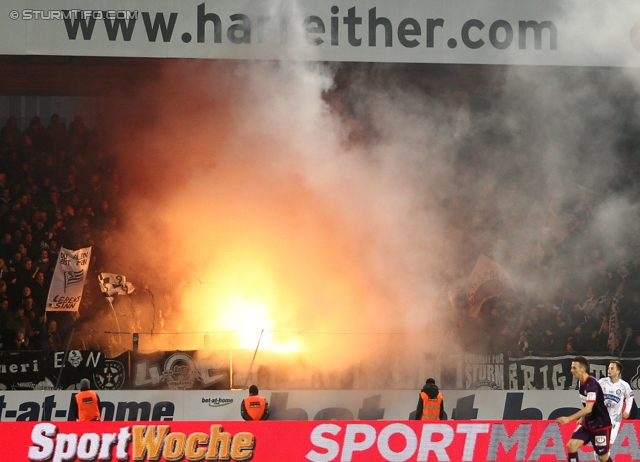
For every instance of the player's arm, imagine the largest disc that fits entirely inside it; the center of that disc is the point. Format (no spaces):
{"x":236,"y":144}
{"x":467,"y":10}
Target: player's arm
{"x":578,"y":415}
{"x":628,"y":401}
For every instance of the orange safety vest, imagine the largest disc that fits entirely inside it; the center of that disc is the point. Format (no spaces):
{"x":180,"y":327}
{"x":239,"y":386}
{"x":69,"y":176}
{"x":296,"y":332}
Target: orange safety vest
{"x":88,"y":408}
{"x":431,"y":406}
{"x":255,"y":406}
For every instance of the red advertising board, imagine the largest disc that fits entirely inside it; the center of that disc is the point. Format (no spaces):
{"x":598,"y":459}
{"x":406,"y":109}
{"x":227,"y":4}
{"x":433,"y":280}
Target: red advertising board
{"x":317,"y":441}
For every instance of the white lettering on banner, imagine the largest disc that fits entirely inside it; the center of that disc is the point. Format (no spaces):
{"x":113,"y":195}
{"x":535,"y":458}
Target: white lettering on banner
{"x":558,"y":383}
{"x":361,"y":437}
{"x":352,"y":434}
{"x":442,"y":442}
{"x":67,"y":283}
{"x":499,"y":436}
{"x":411,"y":442}
{"x":58,"y":447}
{"x":472,"y":432}
{"x":439,"y":448}
{"x":331,"y":447}
{"x":552,"y":432}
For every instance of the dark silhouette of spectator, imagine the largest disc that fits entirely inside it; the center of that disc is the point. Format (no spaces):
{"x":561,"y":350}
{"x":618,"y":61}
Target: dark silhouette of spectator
{"x":10,"y":131}
{"x":5,"y":314}
{"x":38,"y":135}
{"x":20,"y":321}
{"x":21,"y":342}
{"x":634,"y":344}
{"x":50,"y":337}
{"x":6,"y":248}
{"x":57,"y":132}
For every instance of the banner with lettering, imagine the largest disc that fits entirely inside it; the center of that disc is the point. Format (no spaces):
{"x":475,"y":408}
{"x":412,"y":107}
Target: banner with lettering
{"x":35,"y":370}
{"x":67,"y":372}
{"x":315,"y":441}
{"x":67,"y":284}
{"x":540,"y":373}
{"x":180,"y":370}
{"x":21,"y":370}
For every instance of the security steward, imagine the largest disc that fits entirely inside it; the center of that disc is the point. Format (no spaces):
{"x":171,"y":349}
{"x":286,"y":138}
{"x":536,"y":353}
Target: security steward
{"x":430,"y":404}
{"x":254,"y":407}
{"x":86,"y":404}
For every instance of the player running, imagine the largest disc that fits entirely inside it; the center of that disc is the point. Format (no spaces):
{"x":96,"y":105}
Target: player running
{"x":618,"y":397}
{"x":594,"y":424}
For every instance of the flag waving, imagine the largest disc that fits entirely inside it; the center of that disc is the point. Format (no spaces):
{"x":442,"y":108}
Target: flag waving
{"x":488,"y":280}
{"x":67,"y":284}
{"x":114,"y":284}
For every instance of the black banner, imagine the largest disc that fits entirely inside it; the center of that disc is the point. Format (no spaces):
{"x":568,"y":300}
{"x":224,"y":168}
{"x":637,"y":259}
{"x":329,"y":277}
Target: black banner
{"x":114,"y":373}
{"x":22,"y":370}
{"x":537,"y":373}
{"x":484,"y":372}
{"x":179,"y":370}
{"x":35,"y":370}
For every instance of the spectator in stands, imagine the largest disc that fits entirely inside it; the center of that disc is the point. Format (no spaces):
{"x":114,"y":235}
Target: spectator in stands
{"x":57,"y":132}
{"x":37,"y":134}
{"x":5,"y":314}
{"x":20,"y":342}
{"x":43,"y":264}
{"x":20,"y":321}
{"x":523,"y":342}
{"x":4,"y":271}
{"x":50,"y":337}
{"x":40,"y":290}
{"x":10,"y":130}
{"x":26,"y":272}
{"x":634,"y":344}
{"x":503,"y":342}
{"x":6,"y":249}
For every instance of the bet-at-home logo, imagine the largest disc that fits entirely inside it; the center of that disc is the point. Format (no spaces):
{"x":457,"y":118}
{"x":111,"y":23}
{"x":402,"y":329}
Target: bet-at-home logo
{"x":217,"y":402}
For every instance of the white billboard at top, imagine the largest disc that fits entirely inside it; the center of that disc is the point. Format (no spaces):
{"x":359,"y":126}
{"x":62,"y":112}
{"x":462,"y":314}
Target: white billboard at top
{"x":525,"y":32}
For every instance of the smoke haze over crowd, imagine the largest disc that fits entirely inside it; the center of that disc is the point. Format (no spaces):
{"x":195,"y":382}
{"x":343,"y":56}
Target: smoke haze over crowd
{"x":311,"y":200}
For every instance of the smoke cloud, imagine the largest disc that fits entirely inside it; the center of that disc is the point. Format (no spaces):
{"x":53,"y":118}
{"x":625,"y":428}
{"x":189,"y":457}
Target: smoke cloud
{"x":335,"y":206}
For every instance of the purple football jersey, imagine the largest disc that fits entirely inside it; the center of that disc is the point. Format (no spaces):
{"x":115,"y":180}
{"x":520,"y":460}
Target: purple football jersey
{"x":598,"y":418}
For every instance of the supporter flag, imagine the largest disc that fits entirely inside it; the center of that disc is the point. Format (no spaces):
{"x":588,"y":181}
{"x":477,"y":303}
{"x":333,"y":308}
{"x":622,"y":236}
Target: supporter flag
{"x":488,"y":279}
{"x":67,"y":284}
{"x":114,"y":284}
{"x":614,"y":327}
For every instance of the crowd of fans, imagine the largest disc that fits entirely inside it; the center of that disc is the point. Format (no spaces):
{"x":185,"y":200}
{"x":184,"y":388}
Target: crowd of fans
{"x":57,"y":189}
{"x":589,"y":306}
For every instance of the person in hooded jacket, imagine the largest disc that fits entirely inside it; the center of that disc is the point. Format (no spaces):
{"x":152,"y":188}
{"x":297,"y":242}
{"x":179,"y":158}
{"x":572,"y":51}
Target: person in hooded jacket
{"x":431,"y":403}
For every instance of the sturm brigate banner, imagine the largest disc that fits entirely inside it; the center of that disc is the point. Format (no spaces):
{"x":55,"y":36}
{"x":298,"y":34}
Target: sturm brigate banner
{"x":500,"y":372}
{"x":324,"y":441}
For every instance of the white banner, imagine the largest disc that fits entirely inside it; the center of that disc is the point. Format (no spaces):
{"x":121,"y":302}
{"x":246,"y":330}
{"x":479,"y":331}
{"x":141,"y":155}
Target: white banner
{"x":65,"y":292}
{"x":541,"y":32}
{"x":216,"y":405}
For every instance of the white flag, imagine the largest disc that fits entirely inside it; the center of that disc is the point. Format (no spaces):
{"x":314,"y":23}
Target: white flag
{"x":114,"y":284}
{"x":67,"y":284}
